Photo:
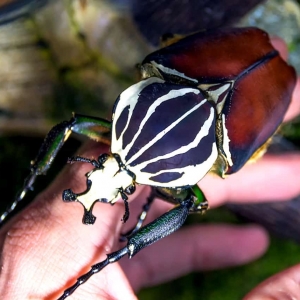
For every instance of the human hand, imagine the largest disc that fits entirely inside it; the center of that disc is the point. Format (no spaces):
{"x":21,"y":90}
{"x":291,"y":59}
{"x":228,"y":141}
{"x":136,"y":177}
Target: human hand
{"x":46,"y":247}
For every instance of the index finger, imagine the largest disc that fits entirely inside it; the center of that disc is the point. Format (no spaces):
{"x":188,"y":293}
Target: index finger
{"x":294,"y":108}
{"x":273,"y":177}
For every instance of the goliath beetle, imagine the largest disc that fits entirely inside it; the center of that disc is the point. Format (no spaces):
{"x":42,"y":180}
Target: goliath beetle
{"x":209,"y":102}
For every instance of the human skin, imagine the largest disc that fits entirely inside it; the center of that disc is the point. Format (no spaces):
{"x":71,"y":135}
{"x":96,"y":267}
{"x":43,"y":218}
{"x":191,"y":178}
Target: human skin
{"x":46,"y":247}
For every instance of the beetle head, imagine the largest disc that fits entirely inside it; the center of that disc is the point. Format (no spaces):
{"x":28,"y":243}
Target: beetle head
{"x":104,"y":184}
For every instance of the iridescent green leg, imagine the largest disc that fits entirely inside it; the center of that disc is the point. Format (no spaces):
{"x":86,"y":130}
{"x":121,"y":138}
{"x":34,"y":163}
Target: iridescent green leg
{"x":178,"y":196}
{"x":201,"y":204}
{"x":169,"y":195}
{"x":152,"y":232}
{"x":92,"y":127}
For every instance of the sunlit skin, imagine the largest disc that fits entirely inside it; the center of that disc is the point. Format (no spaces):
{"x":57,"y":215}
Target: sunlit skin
{"x":46,"y":247}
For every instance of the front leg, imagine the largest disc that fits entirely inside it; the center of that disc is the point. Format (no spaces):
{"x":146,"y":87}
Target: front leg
{"x":172,"y":196}
{"x":92,"y":127}
{"x":141,"y":218}
{"x":98,"y":164}
{"x":176,"y":196}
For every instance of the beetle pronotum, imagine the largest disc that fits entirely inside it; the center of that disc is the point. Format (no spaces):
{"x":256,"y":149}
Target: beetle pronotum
{"x":223,"y":92}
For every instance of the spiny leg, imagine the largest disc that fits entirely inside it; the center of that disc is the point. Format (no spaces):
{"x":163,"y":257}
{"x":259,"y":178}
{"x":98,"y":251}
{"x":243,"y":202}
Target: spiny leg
{"x":28,"y":185}
{"x":125,"y":200}
{"x":147,"y":235}
{"x":96,"y":163}
{"x":172,"y":196}
{"x":200,"y":204}
{"x":141,"y":217}
{"x":95,"y":128}
{"x":93,"y":162}
{"x":111,"y":258}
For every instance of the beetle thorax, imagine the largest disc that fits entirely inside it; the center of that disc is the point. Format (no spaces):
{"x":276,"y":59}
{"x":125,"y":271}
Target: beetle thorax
{"x":106,"y":183}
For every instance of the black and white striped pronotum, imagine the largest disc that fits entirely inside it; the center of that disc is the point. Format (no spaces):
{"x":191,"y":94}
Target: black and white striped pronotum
{"x":149,"y":132}
{"x":206,"y":103}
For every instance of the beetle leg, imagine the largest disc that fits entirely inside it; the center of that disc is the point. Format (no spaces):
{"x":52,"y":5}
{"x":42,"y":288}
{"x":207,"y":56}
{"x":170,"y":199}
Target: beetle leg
{"x":77,"y":158}
{"x":147,"y":235}
{"x":201,"y":204}
{"x":169,"y":195}
{"x":96,"y":163}
{"x":141,"y":217}
{"x":125,"y":199}
{"x":111,"y":258}
{"x":94,"y":128}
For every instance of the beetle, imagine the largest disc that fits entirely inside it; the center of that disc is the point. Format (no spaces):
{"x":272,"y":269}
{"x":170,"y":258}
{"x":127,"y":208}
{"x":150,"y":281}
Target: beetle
{"x":208,"y":102}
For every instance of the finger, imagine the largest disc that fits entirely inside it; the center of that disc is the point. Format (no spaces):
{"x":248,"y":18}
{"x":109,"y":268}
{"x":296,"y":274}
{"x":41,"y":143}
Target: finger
{"x":279,"y":44}
{"x":192,"y":249}
{"x":285,"y":285}
{"x":273,"y":177}
{"x":294,"y":108}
